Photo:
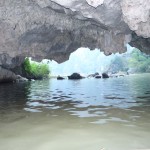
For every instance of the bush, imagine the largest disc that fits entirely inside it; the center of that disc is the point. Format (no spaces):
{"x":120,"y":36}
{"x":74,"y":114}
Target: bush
{"x":35,"y":70}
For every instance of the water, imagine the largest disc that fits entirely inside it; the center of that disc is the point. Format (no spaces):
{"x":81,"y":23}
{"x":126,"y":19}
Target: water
{"x":88,"y":114}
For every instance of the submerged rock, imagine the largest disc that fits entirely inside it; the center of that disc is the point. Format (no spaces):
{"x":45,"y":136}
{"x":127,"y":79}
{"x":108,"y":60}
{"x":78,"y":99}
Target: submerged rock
{"x":98,"y":77}
{"x":75,"y":76}
{"x":93,"y":75}
{"x":60,"y":78}
{"x":21,"y":79}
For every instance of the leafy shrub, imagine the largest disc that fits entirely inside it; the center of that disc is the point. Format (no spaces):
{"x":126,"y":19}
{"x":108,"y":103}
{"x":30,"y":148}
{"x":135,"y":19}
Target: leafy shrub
{"x":35,"y":70}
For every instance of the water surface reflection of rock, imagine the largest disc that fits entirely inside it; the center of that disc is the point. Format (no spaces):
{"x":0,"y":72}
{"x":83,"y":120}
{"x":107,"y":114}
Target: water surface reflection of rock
{"x":39,"y":115}
{"x":13,"y":96}
{"x":89,"y":97}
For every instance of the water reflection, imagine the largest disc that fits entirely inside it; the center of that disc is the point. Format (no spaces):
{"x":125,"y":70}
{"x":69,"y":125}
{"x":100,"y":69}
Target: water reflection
{"x":91,"y":98}
{"x":83,"y":98}
{"x":50,"y":112}
{"x":13,"y":97}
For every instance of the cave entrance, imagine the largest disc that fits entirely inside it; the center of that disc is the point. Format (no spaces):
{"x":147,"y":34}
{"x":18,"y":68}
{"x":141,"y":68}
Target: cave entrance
{"x":83,"y":61}
{"x":86,"y":61}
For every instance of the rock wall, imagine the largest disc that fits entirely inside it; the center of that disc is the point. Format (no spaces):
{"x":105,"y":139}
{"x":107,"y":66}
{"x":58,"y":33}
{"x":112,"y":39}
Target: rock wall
{"x":53,"y":29}
{"x":7,"y":75}
{"x":137,"y":15}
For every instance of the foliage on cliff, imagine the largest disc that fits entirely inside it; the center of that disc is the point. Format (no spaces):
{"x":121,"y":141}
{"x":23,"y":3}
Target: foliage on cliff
{"x":139,"y":61}
{"x":118,"y":63}
{"x":35,"y":70}
{"x":134,"y":62}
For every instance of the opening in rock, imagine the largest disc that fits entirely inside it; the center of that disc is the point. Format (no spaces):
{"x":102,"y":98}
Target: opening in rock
{"x":72,"y":110}
{"x":86,"y":61}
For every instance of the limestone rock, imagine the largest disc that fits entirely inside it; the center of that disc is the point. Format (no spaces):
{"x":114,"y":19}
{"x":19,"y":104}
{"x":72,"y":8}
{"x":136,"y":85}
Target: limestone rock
{"x":98,"y":77}
{"x":6,"y":75}
{"x":75,"y":76}
{"x":53,"y":29}
{"x":21,"y":79}
{"x":137,"y":15}
{"x":60,"y":78}
{"x":141,"y":43}
{"x":95,"y":3}
{"x":105,"y":75}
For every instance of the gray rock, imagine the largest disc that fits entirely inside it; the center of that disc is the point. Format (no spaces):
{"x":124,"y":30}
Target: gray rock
{"x":6,"y":76}
{"x":21,"y":79}
{"x":98,"y":77}
{"x":60,"y":78}
{"x":137,"y":15}
{"x":105,"y":75}
{"x":53,"y":29}
{"x":93,"y":75}
{"x":75,"y":76}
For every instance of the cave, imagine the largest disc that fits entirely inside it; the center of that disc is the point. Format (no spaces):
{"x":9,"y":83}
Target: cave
{"x":89,"y":113}
{"x":54,"y":29}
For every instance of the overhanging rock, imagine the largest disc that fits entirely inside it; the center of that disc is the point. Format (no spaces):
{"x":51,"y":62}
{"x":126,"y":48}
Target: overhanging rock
{"x":53,"y":29}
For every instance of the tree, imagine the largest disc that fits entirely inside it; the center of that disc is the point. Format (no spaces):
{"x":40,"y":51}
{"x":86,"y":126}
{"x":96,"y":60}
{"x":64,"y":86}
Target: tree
{"x":119,"y":63}
{"x":139,"y":61}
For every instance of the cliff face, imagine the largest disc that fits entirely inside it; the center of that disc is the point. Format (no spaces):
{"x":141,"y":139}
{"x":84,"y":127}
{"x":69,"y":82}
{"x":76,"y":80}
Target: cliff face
{"x":53,"y":29}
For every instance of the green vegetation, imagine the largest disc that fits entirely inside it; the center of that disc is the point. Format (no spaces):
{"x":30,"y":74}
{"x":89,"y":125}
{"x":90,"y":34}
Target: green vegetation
{"x":134,"y":62}
{"x":118,"y":64}
{"x":139,"y":61}
{"x":35,"y":70}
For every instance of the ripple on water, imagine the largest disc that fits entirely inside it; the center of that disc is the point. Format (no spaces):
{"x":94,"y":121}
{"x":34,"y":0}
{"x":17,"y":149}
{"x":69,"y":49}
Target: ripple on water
{"x":93,"y":110}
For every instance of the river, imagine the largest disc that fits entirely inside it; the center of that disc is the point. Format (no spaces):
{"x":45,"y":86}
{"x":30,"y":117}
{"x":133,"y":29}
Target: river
{"x":87,"y":114}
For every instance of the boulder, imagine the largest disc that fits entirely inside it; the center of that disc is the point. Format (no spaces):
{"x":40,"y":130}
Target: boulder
{"x":7,"y":76}
{"x":105,"y":75}
{"x":75,"y":76}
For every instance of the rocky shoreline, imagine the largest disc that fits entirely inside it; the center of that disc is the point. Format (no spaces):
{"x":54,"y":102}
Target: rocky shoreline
{"x":7,"y":76}
{"x":76,"y":76}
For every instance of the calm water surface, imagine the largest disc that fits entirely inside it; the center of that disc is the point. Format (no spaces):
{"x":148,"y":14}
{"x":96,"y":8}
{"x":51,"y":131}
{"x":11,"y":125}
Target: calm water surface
{"x":88,"y":114}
